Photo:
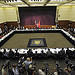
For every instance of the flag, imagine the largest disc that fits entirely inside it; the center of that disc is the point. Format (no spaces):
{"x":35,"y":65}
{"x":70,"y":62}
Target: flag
{"x":35,"y":24}
{"x":39,"y":24}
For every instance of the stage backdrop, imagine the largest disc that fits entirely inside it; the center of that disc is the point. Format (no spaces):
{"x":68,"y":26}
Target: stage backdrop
{"x":46,"y":15}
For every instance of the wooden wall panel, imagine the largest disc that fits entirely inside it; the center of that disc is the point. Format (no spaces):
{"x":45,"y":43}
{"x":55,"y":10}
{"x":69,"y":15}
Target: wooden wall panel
{"x":73,"y":24}
{"x":12,"y":23}
{"x":63,"y":23}
{"x":2,"y":26}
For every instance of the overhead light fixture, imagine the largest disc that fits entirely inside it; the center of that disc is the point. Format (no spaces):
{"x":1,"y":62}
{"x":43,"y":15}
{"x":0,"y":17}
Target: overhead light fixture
{"x":10,"y":0}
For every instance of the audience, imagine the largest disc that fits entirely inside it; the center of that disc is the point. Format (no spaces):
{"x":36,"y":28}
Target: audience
{"x":28,"y":66}
{"x":31,"y":69}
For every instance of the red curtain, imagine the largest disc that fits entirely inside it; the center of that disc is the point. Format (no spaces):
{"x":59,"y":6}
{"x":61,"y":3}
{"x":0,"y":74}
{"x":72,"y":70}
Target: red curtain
{"x":46,"y":15}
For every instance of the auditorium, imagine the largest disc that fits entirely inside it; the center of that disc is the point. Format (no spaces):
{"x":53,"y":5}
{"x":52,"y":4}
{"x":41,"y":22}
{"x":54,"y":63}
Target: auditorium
{"x":37,"y":37}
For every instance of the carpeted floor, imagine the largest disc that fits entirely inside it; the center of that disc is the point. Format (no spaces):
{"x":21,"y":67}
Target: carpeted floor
{"x":53,"y":40}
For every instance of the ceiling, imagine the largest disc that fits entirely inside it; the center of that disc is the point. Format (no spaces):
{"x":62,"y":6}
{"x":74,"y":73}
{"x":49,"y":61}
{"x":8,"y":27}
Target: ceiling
{"x":30,"y":3}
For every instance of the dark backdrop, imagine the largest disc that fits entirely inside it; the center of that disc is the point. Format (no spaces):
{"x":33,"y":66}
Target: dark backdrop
{"x":46,"y":15}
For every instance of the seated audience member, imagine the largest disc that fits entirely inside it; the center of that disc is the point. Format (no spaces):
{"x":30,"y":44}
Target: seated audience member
{"x":14,"y":27}
{"x":74,"y":30}
{"x":2,"y":35}
{"x":16,"y":54}
{"x":69,"y":53}
{"x":5,"y":53}
{"x":31,"y":69}
{"x":62,"y":53}
{"x":70,"y":72}
{"x":6,"y":28}
{"x":10,"y":72}
{"x":27,"y":63}
{"x":11,"y":53}
{"x":11,"y":27}
{"x":0,"y":29}
{"x":30,"y":53}
{"x":36,"y":55}
{"x":21,"y":60}
{"x":15,"y":69}
{"x":41,"y":72}
{"x":64,"y":73}
{"x":73,"y":53}
{"x":72,"y":66}
{"x":67,"y":61}
{"x":4,"y":70}
{"x":55,"y":72}
{"x":5,"y":33}
{"x":41,"y":54}
{"x":49,"y":53}
{"x":1,"y":54}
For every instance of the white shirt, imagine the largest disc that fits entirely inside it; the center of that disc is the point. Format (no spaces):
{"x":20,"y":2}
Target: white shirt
{"x":15,"y":71}
{"x":0,"y":30}
{"x":40,"y":72}
{"x":55,"y":73}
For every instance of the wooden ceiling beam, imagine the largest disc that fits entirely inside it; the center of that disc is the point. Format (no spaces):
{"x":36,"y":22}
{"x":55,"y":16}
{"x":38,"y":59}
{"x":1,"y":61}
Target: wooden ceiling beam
{"x":47,"y":2}
{"x":25,"y":2}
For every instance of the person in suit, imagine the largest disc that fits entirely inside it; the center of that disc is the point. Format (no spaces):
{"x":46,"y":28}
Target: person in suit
{"x":0,"y":29}
{"x":69,"y":53}
{"x":5,"y":54}
{"x":30,"y":53}
{"x":49,"y":53}
{"x":67,"y":61}
{"x":11,"y":53}
{"x":62,"y":53}
{"x":16,"y":54}
{"x":1,"y":54}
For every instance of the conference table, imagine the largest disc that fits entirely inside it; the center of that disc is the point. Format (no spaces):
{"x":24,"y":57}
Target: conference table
{"x":69,"y":35}
{"x":53,"y":50}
